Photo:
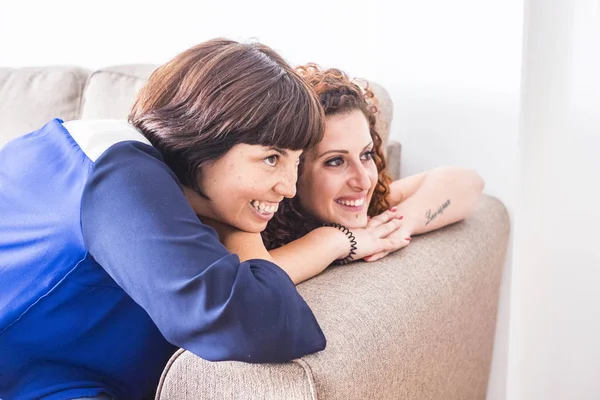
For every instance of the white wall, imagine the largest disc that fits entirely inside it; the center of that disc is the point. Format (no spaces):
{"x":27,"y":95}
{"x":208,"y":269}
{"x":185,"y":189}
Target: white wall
{"x":459,"y":61}
{"x":555,"y":324}
{"x":452,"y":67}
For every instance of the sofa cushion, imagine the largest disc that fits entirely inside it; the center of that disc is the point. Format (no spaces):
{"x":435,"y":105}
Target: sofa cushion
{"x":386,"y":112}
{"x":33,"y":96}
{"x":111,"y":91}
{"x":385,"y":106}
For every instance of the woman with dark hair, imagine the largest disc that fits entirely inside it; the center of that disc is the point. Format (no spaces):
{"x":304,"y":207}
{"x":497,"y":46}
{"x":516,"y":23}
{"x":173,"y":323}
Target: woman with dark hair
{"x":105,"y":268}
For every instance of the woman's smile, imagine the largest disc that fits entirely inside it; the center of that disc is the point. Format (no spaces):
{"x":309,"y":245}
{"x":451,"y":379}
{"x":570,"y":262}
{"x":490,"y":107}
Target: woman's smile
{"x":263,"y":210}
{"x":352,"y":203}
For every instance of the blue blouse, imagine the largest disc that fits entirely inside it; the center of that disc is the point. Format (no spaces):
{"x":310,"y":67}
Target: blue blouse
{"x":105,"y":270}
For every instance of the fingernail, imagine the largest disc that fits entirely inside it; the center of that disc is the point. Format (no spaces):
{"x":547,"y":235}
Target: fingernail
{"x":409,"y":239}
{"x":400,"y":217}
{"x":367,"y":258}
{"x":393,"y":209}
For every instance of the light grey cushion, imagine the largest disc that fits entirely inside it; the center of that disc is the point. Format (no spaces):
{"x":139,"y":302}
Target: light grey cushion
{"x":386,"y":110}
{"x":394,"y":151}
{"x":30,"y":97}
{"x":418,"y":324}
{"x":112,"y":91}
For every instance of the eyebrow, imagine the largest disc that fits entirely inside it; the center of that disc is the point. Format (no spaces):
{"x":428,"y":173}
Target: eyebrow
{"x":284,"y":152}
{"x":342,"y":151}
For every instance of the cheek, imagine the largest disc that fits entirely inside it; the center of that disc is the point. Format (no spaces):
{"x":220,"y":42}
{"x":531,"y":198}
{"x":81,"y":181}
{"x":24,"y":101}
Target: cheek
{"x":229,"y":192}
{"x":305,"y":185}
{"x":226,"y":189}
{"x":310,"y":191}
{"x":317,"y":196}
{"x":373,"y":176}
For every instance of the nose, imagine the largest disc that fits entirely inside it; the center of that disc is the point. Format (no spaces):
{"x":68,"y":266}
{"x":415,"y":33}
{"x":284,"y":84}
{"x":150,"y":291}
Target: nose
{"x":360,"y":178}
{"x":286,"y":186}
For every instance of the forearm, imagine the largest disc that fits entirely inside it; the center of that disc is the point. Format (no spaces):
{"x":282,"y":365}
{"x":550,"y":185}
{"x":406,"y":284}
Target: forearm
{"x":311,"y":254}
{"x":446,"y":195}
{"x":301,"y":259}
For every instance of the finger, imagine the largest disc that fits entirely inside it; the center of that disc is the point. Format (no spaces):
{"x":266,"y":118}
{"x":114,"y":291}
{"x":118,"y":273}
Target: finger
{"x":383,"y":218}
{"x":386,"y":228}
{"x":377,"y":256}
{"x":392,"y":245}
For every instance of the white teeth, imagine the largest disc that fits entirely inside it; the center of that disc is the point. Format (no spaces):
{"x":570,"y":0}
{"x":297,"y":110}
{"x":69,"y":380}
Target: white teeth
{"x":263,"y":207}
{"x":352,"y":203}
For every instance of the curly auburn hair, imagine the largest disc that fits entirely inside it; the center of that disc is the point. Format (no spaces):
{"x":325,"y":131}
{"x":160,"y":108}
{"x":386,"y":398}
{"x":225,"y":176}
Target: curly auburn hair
{"x":338,"y":94}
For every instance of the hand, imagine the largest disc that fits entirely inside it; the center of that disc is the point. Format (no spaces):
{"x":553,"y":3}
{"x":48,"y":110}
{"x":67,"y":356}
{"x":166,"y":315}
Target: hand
{"x":378,"y":236}
{"x":401,"y":236}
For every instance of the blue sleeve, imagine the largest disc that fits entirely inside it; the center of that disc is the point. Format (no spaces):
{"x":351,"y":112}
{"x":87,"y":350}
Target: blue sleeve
{"x":138,"y":225}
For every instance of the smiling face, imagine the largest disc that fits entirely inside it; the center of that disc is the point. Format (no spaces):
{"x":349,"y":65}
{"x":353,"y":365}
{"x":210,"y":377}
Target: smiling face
{"x":339,"y":175}
{"x":246,"y":185}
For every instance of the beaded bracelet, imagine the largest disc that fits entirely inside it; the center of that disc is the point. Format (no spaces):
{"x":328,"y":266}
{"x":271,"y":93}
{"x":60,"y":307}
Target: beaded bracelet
{"x":350,"y":256}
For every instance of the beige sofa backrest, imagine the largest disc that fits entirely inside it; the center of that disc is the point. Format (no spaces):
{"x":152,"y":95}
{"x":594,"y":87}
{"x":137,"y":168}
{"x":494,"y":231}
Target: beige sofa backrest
{"x":30,"y":97}
{"x":111,"y":92}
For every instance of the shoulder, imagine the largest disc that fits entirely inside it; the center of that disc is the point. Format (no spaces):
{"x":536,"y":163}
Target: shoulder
{"x":130,"y":167}
{"x":95,"y":137}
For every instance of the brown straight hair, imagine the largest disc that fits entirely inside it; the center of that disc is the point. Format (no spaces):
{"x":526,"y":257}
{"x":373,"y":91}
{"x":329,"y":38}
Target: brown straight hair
{"x":220,"y":93}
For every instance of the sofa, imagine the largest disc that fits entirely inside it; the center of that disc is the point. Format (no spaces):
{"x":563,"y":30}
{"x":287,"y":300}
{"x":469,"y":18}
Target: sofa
{"x":418,"y":324}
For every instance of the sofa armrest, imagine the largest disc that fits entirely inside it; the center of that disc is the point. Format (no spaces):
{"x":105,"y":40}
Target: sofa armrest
{"x":418,"y":324}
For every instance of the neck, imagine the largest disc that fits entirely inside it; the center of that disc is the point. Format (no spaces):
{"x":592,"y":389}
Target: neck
{"x":199,"y":204}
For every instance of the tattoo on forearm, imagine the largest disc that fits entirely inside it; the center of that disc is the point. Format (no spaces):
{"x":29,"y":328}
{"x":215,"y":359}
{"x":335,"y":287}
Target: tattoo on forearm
{"x":431,"y":216}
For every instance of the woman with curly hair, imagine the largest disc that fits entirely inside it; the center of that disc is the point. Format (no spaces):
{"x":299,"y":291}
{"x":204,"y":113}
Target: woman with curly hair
{"x":343,"y":190}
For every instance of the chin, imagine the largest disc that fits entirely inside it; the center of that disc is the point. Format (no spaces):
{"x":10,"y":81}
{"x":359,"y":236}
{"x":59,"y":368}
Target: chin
{"x":251,"y":227}
{"x":353,"y":223}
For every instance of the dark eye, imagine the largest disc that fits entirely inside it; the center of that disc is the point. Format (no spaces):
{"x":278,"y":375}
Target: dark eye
{"x":334,"y":162}
{"x":368,"y":155}
{"x":271,"y":160}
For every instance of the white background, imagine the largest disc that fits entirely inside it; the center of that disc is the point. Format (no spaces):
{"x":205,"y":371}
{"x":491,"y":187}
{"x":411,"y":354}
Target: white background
{"x":508,"y":87}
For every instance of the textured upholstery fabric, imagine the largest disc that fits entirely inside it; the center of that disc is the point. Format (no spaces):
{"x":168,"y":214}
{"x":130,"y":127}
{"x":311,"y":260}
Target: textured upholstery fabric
{"x":111,"y":91}
{"x":385,"y":107}
{"x":418,"y":324}
{"x":394,"y":150}
{"x":190,"y":377}
{"x":30,"y":97}
{"x":383,"y":126}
